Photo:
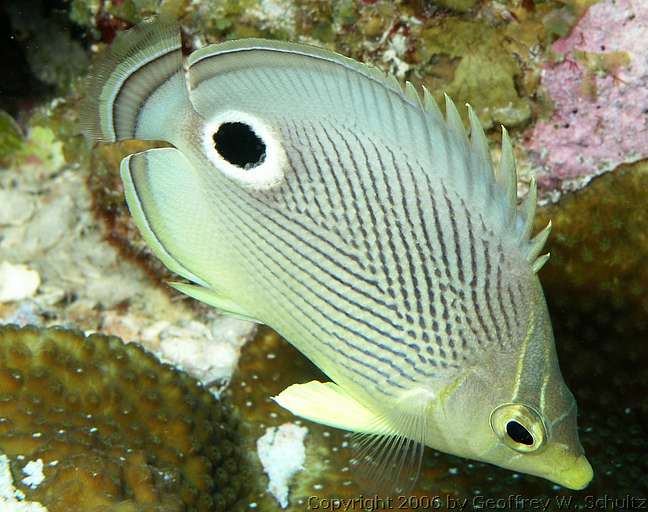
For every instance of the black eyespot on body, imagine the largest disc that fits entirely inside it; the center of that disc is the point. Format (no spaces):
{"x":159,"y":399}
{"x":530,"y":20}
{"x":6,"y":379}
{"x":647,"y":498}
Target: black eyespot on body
{"x":518,"y":433}
{"x":238,"y":144}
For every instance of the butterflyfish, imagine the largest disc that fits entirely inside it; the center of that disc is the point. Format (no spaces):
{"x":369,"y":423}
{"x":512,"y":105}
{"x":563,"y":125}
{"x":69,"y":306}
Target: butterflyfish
{"x":313,"y":193}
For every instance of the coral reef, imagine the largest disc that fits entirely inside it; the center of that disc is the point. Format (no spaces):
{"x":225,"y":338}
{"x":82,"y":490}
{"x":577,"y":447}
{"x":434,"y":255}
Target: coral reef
{"x":599,"y":244}
{"x":114,"y":428}
{"x":566,"y":75}
{"x":471,"y":48}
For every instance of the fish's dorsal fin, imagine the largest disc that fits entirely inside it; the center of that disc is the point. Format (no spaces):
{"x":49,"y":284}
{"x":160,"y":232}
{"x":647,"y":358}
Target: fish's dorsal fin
{"x":326,"y":85}
{"x":137,"y":86}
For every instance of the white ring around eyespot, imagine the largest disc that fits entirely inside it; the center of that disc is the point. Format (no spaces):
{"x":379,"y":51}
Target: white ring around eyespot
{"x":264,"y":176}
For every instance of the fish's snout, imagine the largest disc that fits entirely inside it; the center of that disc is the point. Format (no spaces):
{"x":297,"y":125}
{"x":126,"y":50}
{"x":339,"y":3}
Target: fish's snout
{"x":577,"y":476}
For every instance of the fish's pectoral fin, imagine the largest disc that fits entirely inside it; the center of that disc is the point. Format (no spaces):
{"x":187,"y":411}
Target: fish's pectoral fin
{"x":214,"y":299}
{"x":386,"y":464}
{"x":169,"y":206}
{"x":388,"y":461}
{"x":328,"y":404}
{"x":387,"y":448}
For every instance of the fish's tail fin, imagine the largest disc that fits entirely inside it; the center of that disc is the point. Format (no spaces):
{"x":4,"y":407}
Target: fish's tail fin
{"x":137,"y":87}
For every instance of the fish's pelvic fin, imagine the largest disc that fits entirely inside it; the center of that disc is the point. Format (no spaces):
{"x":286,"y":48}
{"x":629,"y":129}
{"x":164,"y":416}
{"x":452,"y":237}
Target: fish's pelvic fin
{"x":167,"y":203}
{"x":137,"y":87}
{"x":214,"y":299}
{"x":328,"y":404}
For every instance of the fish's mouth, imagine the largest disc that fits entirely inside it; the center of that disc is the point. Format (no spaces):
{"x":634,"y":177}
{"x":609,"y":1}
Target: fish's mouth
{"x":577,"y":476}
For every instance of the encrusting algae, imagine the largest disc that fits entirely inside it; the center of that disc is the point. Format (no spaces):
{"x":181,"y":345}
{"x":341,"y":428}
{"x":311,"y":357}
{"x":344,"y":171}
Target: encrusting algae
{"x":115,"y":429}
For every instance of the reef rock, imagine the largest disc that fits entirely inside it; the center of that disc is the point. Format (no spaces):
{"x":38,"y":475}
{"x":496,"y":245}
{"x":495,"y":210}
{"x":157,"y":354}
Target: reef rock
{"x":598,"y":88}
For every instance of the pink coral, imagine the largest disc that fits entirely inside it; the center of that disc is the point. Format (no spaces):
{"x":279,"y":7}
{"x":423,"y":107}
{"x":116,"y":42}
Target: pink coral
{"x":600,"y":94}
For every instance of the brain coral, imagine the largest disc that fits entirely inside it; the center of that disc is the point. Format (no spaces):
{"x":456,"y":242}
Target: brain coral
{"x":116,"y":429}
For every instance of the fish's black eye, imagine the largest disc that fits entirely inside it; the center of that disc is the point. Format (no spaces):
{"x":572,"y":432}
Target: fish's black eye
{"x":237,"y":143}
{"x":519,"y":433}
{"x":519,"y":426}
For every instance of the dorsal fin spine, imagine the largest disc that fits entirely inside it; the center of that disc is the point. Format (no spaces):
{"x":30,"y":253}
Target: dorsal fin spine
{"x":412,"y":94}
{"x":527,"y":211}
{"x":507,"y":170}
{"x":478,"y":140}
{"x":430,"y":105}
{"x":538,"y":242}
{"x":454,"y":122}
{"x":539,"y":262}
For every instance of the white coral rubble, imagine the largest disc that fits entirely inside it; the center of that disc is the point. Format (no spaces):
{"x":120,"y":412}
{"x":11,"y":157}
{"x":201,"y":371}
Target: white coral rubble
{"x":282,"y":454}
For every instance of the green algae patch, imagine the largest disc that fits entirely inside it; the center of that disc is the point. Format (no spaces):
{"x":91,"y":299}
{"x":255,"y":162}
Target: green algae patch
{"x":11,"y":138}
{"x":457,"y":5}
{"x":61,"y":118}
{"x":40,"y":147}
{"x":485,"y":71}
{"x":115,"y":428}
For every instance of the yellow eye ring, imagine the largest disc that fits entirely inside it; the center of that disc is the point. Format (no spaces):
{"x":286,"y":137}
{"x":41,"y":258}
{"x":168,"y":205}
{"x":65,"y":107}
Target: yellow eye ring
{"x":519,"y":427}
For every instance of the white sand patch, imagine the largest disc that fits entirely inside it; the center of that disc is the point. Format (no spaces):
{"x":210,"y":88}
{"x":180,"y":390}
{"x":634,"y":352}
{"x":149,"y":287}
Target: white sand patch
{"x":282,"y":453}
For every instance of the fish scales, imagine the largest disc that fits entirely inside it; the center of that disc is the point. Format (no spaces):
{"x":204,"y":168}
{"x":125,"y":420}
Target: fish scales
{"x":392,"y":311}
{"x":314,"y":194}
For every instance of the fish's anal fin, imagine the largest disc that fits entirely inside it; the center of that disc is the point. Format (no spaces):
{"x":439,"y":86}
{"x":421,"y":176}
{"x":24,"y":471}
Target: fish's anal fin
{"x":328,"y":404}
{"x":214,"y":299}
